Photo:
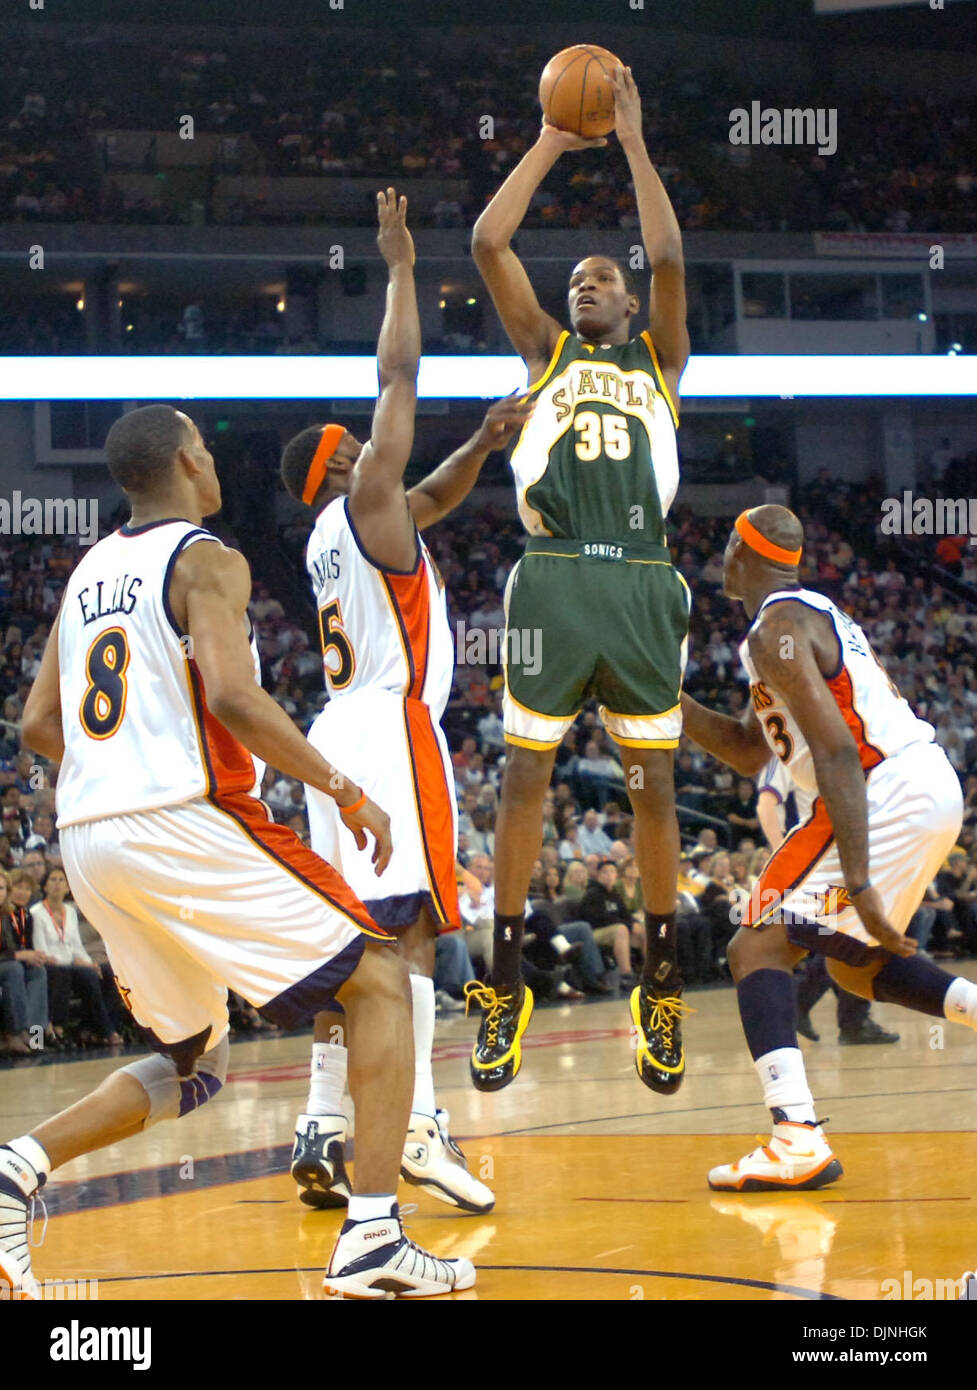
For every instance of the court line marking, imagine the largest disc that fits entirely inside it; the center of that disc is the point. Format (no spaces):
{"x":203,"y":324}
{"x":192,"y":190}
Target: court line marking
{"x":107,"y":1190}
{"x":795,"y":1289}
{"x":730,"y":1105}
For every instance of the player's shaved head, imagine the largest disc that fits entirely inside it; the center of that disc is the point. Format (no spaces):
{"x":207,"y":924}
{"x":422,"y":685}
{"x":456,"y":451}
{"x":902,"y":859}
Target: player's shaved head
{"x":762,"y":554}
{"x":140,"y":447}
{"x":779,"y":525}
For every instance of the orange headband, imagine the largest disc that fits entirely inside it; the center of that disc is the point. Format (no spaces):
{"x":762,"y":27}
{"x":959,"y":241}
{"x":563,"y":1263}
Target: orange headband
{"x":318,"y":468}
{"x":749,"y":533}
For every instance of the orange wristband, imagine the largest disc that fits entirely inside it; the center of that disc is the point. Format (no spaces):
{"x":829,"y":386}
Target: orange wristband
{"x":356,"y":806}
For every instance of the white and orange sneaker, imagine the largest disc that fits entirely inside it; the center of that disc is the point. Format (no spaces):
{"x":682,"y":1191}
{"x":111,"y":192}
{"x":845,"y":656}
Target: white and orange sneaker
{"x":797,"y":1158}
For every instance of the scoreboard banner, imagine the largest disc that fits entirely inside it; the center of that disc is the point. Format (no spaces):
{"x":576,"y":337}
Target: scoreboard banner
{"x":917,"y":246}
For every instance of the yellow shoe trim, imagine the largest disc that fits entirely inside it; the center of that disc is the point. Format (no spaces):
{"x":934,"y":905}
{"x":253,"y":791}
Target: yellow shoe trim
{"x":486,"y":997}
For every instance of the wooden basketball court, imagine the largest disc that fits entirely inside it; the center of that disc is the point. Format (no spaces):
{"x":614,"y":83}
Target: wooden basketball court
{"x":601,"y":1184}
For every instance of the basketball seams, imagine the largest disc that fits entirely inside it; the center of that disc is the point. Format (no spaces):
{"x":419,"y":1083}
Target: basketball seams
{"x":550,"y":100}
{"x":585,"y":102}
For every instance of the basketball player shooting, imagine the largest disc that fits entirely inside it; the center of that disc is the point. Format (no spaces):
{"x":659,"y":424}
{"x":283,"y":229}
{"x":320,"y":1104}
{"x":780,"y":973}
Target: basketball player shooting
{"x":596,"y":470}
{"x":388,"y":661}
{"x":148,"y":697}
{"x":847,"y":880}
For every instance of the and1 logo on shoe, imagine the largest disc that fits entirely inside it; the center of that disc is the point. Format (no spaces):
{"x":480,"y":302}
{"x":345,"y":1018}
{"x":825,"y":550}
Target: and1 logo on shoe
{"x":377,"y":1235}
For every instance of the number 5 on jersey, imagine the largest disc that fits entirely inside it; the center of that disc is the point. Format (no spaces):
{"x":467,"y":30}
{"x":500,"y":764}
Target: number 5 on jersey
{"x":104,"y":701}
{"x":333,"y":638}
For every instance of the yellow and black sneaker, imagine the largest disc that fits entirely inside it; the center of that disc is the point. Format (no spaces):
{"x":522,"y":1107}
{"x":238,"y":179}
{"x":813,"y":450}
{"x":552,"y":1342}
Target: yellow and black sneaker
{"x":657,"y":1037}
{"x":497,"y":1054}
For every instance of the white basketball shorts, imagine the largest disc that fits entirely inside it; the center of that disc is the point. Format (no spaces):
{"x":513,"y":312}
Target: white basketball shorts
{"x":393,"y":748}
{"x":915,"y":810}
{"x":196,"y":899}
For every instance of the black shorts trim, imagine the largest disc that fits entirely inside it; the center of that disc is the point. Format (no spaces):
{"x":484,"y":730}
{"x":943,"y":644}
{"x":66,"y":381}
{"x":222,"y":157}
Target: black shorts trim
{"x":301,"y":1001}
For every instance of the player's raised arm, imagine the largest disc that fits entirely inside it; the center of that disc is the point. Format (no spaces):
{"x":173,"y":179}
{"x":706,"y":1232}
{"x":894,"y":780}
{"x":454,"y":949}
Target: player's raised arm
{"x":783,"y":654}
{"x":41,"y":728}
{"x":376,"y":493}
{"x":451,"y":482}
{"x":213,"y":586}
{"x":532,"y":332}
{"x":660,"y":233}
{"x":738,"y":742}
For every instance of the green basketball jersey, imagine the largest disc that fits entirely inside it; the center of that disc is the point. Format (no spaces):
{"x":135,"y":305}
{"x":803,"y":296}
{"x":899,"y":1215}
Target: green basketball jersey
{"x":598,"y":459}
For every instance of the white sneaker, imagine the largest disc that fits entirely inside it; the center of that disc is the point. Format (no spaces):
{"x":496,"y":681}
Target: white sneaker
{"x":797,"y":1158}
{"x":318,"y":1166}
{"x":374,"y":1259}
{"x":433,"y":1161}
{"x":18,"y":1186}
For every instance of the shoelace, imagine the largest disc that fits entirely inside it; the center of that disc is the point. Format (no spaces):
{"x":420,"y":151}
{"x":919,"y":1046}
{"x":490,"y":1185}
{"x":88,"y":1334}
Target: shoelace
{"x":494,"y":1004}
{"x":665,"y":1014}
{"x":408,"y":1209}
{"x":36,"y":1202}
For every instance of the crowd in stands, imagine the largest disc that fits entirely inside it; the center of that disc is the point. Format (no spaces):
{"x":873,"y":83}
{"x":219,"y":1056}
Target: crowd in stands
{"x":392,"y":107}
{"x":585,"y":931}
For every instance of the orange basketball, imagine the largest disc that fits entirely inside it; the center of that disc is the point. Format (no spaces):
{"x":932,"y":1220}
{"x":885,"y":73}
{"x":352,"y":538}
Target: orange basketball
{"x":575,"y":90}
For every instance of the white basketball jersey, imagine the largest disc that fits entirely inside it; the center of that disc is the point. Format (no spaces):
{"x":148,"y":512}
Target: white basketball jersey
{"x":138,"y":734}
{"x":881,"y":721}
{"x":776,"y":778}
{"x":380,"y":628}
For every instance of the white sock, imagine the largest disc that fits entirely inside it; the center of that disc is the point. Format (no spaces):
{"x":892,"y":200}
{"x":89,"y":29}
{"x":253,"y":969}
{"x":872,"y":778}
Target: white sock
{"x":960,"y":1003}
{"x":784,"y":1083}
{"x":372,"y":1207}
{"x":327,"y":1079}
{"x":422,"y":994}
{"x":560,"y":943}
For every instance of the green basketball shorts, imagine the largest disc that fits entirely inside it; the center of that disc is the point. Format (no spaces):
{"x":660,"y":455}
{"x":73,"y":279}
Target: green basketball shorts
{"x":601,"y":620}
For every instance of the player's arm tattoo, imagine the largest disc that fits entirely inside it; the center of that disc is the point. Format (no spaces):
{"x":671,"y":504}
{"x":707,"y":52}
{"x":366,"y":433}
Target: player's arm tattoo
{"x":837,"y":766}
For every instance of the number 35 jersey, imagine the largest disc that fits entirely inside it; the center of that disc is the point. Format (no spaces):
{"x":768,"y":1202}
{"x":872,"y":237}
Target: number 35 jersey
{"x":881,"y":721}
{"x":380,"y":629}
{"x":598,"y":460}
{"x":137,"y":731}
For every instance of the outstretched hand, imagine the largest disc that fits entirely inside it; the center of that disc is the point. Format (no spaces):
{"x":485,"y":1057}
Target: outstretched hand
{"x":627,"y":104}
{"x":394,"y":240}
{"x":503,"y":419}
